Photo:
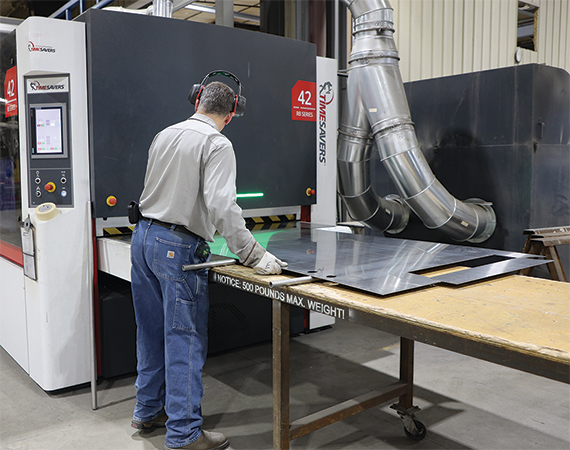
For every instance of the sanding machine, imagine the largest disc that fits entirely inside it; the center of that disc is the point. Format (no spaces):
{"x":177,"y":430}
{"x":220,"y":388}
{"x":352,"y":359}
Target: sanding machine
{"x":85,"y":99}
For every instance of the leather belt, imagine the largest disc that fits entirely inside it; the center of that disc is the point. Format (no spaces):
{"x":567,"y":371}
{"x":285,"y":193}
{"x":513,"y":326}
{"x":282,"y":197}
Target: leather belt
{"x":173,"y":227}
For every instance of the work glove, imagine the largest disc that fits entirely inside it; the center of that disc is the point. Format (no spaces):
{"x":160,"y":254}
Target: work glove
{"x":269,"y":264}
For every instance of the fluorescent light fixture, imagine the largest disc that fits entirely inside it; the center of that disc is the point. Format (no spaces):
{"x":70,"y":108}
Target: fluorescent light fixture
{"x":206,"y":9}
{"x":212,"y":10}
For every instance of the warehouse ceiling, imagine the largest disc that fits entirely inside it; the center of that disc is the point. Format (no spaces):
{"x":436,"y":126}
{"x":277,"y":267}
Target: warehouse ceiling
{"x":246,"y":12}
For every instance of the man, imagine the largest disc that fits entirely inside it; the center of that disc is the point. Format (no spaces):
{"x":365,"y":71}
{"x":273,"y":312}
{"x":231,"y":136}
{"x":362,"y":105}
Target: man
{"x":189,"y":192}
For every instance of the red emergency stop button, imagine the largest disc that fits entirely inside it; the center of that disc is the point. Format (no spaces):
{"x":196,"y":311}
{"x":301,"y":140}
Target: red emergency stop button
{"x":50,"y":187}
{"x":310,"y":192}
{"x":111,"y":200}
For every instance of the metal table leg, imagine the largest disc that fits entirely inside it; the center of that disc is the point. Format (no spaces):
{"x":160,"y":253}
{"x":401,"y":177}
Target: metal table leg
{"x":406,"y":410}
{"x":407,"y":372}
{"x":284,"y":431}
{"x":280,"y":375}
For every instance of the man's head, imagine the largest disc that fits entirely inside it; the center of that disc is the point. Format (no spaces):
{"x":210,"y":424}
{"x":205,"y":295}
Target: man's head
{"x":216,"y":99}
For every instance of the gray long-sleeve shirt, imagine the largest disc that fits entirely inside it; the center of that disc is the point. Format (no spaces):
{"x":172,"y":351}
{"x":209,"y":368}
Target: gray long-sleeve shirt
{"x":191,"y":181}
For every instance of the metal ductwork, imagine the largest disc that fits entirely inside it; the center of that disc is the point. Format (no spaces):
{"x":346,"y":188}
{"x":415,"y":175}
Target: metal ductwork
{"x":162,"y":8}
{"x":377,"y":112}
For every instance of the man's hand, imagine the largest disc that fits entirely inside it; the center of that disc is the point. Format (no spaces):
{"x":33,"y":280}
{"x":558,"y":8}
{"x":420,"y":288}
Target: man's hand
{"x":269,"y":264}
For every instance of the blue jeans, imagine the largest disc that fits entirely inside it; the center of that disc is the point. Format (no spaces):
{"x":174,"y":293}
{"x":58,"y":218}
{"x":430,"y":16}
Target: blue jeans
{"x":171,"y":311}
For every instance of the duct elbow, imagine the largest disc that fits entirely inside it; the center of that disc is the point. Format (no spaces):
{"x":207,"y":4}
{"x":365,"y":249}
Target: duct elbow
{"x":400,"y":214}
{"x":472,"y":220}
{"x":390,"y":214}
{"x":360,"y":7}
{"x":486,"y":220}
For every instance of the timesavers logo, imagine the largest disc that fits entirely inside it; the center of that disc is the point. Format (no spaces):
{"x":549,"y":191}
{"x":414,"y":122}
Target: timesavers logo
{"x":326,"y":96}
{"x":40,"y":48}
{"x":36,"y":86}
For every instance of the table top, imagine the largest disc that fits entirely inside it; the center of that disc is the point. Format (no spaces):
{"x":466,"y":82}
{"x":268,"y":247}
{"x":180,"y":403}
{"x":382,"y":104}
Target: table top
{"x":525,"y":315}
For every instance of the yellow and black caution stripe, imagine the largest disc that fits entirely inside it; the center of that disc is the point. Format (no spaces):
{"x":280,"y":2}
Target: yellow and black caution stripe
{"x":117,"y":231}
{"x":252,"y":223}
{"x":271,"y":222}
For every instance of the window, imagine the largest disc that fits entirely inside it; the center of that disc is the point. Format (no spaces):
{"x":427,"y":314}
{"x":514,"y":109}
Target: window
{"x":10,"y":190}
{"x":526,"y":25}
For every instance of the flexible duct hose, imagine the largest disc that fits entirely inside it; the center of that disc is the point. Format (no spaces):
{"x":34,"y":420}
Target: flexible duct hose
{"x":377,"y":112}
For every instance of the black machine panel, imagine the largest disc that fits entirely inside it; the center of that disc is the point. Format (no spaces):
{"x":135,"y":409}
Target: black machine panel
{"x":502,"y":135}
{"x":236,"y":319}
{"x":140,"y":71}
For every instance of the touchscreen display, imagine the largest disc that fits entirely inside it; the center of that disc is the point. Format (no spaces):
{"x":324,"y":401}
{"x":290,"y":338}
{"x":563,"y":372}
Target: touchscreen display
{"x":48,"y":131}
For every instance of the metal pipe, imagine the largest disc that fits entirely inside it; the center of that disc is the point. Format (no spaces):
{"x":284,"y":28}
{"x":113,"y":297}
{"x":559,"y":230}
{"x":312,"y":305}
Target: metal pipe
{"x":291,"y":282}
{"x":162,"y":8}
{"x":225,"y":13}
{"x":377,"y":113}
{"x":336,"y":30}
{"x":91,"y":296}
{"x":208,"y":265}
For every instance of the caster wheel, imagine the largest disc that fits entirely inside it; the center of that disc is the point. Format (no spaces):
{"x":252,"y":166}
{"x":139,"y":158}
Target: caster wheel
{"x":420,"y":434}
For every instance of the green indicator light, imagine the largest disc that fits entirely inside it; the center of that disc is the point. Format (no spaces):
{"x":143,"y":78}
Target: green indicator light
{"x":220,"y":247}
{"x":253,"y":194}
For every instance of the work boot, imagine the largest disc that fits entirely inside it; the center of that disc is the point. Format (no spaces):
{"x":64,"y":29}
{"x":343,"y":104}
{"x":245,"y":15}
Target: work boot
{"x":158,"y":422}
{"x":208,"y":441}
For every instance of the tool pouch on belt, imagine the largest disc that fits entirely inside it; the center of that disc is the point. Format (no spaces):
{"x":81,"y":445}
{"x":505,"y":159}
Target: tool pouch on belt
{"x":134,"y":212}
{"x":202,"y":251}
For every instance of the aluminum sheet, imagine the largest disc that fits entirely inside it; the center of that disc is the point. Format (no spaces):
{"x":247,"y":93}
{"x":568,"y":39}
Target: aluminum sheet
{"x":385,"y":265}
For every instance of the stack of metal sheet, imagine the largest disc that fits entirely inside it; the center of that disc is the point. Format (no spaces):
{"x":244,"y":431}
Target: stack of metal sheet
{"x":386,"y":265}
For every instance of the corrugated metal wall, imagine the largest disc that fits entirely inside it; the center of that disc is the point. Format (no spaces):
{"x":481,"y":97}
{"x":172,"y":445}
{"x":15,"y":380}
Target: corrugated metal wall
{"x":446,"y":37}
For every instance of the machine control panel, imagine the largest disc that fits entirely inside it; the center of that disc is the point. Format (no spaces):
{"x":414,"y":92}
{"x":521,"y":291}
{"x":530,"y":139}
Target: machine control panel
{"x":51,"y":185}
{"x":49,"y":152}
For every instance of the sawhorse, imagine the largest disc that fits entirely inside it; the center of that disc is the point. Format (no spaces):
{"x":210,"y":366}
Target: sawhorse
{"x":543,"y":241}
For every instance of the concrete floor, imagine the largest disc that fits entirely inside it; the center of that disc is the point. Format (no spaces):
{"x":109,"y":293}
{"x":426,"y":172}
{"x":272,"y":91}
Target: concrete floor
{"x":466,"y":403}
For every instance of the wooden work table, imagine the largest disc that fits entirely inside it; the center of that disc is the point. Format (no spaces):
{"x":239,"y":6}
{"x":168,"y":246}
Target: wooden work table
{"x":516,"y":321}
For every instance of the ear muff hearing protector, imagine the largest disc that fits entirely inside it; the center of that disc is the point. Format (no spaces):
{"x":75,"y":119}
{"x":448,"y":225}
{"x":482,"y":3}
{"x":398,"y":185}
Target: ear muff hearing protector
{"x":239,"y":103}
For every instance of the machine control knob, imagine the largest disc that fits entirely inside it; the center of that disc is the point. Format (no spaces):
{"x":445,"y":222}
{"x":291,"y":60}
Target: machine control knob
{"x":111,"y":200}
{"x":38,"y":180}
{"x":50,"y":187}
{"x":38,"y":193}
{"x":310,"y":192}
{"x":63,"y":180}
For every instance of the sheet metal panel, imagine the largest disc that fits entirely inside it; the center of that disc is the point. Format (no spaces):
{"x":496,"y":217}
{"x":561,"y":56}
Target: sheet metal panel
{"x":385,"y":265}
